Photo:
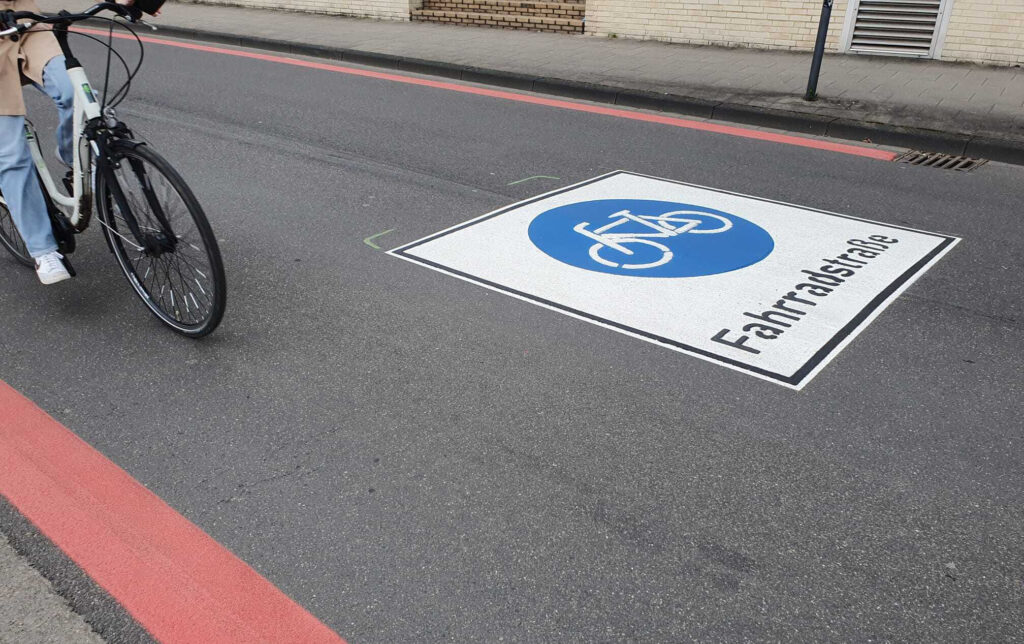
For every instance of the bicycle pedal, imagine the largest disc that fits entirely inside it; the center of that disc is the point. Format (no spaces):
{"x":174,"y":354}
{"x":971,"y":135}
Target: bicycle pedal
{"x":69,"y":266}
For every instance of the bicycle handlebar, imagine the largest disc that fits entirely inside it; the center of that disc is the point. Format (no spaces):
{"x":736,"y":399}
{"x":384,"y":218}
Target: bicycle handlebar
{"x":10,"y":19}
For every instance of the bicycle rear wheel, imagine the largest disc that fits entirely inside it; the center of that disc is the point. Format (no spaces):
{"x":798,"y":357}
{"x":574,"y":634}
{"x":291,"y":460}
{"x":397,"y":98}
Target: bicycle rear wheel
{"x":11,"y":238}
{"x":171,"y":259}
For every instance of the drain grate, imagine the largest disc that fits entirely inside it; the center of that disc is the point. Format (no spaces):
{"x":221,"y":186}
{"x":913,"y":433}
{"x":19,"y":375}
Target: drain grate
{"x":940,"y":161}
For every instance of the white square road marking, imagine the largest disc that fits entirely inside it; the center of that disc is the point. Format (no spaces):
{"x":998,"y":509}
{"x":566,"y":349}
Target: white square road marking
{"x":772,"y":289}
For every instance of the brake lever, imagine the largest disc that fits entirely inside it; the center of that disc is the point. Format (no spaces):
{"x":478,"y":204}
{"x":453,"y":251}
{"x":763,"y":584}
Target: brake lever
{"x":14,"y":27}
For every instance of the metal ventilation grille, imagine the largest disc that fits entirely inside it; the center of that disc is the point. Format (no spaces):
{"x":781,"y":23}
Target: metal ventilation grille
{"x":896,"y":26}
{"x":940,"y":161}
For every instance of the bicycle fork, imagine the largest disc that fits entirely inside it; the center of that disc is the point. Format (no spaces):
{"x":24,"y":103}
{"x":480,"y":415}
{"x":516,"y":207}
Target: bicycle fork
{"x":152,"y":244}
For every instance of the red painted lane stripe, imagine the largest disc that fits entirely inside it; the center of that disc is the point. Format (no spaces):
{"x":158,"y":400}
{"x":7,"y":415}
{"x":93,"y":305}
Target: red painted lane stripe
{"x":730,"y":130}
{"x":177,"y":582}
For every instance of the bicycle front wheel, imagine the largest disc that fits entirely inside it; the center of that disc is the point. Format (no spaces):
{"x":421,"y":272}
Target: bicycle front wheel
{"x":162,"y":240}
{"x":11,"y":238}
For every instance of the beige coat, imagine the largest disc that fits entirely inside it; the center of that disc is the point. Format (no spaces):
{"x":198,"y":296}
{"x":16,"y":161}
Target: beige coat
{"x":24,"y":60}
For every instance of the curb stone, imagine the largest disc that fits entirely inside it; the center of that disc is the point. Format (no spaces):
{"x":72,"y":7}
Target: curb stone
{"x":101,"y":612}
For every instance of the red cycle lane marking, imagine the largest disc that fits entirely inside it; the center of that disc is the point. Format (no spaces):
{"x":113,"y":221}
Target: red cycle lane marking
{"x":787,"y":139}
{"x":174,"y":579}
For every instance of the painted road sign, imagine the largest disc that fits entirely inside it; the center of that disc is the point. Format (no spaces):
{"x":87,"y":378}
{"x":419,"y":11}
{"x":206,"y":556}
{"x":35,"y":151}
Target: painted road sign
{"x":645,"y":238}
{"x":769,"y":288}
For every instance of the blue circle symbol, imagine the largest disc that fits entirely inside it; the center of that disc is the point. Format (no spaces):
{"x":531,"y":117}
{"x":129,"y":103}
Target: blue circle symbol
{"x":645,"y":238}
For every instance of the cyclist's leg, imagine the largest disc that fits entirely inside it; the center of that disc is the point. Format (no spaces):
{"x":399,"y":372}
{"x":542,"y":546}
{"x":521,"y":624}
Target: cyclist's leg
{"x":57,"y":86}
{"x":20,"y":185}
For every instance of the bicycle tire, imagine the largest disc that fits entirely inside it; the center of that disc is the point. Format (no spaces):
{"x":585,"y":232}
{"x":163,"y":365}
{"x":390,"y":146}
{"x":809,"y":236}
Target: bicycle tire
{"x":11,"y":238}
{"x":194,"y":257}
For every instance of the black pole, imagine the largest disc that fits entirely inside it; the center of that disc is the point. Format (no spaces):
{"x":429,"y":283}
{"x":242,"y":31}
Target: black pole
{"x":819,"y":51}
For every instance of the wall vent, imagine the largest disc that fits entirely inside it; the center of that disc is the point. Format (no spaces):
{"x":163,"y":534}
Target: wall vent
{"x":906,"y":27}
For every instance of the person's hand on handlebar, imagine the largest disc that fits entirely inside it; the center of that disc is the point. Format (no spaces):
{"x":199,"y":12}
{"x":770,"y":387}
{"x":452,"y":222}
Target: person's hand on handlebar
{"x":134,"y":14}
{"x":137,"y":11}
{"x":137,"y":14}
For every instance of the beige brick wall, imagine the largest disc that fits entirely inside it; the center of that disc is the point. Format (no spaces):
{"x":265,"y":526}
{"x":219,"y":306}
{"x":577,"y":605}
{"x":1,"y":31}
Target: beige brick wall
{"x":765,"y":24}
{"x":386,"y":9}
{"x":986,"y":31}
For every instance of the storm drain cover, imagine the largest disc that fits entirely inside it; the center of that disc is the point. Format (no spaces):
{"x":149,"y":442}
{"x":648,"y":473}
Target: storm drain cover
{"x":940,"y":161}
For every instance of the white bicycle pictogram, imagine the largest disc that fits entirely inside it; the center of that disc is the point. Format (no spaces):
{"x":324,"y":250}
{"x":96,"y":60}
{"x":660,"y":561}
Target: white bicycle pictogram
{"x":669,"y":224}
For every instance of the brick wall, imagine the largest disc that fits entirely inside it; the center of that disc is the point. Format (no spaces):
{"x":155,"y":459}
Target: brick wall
{"x":559,"y":17}
{"x":766,"y":24}
{"x":510,"y":7}
{"x":986,"y":30}
{"x":387,"y":9}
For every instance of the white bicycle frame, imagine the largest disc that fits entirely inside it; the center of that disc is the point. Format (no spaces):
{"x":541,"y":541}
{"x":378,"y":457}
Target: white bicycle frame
{"x":86,"y":108}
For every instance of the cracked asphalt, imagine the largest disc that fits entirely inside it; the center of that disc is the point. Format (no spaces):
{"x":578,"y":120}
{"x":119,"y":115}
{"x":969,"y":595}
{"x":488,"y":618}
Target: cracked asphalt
{"x":414,"y":458}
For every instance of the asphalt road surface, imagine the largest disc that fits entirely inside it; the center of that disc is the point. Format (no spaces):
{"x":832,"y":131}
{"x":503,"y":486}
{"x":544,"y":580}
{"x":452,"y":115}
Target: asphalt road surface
{"x":415,"y":458}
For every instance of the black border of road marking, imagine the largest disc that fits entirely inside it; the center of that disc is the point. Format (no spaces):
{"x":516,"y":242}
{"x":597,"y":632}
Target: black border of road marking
{"x":797,"y":380}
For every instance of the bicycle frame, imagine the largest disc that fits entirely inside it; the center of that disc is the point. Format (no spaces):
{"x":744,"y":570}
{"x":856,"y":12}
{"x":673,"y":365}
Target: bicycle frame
{"x":78,"y":205}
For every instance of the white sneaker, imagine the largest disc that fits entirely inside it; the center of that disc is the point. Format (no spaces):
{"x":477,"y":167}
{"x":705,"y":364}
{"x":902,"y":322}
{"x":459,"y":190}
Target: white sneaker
{"x":50,"y":269}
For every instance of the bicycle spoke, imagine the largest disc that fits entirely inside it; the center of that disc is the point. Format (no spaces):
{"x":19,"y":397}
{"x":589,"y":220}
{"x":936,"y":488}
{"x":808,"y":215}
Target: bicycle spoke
{"x":10,"y":237}
{"x":173,"y":287}
{"x":185,"y":292}
{"x":114,"y":230}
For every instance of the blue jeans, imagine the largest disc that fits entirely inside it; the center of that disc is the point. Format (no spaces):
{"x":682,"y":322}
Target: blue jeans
{"x":18,"y":181}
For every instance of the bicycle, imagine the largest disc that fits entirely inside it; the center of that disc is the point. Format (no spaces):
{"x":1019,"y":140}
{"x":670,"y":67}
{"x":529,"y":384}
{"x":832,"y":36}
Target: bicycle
{"x":667,"y":225}
{"x":150,"y":218}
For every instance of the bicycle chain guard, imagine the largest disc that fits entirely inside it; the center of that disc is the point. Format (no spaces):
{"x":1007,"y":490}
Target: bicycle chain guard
{"x":63,"y":233}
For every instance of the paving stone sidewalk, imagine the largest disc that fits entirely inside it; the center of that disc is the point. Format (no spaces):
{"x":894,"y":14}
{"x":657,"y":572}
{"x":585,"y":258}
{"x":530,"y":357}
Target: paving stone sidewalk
{"x":947,"y":97}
